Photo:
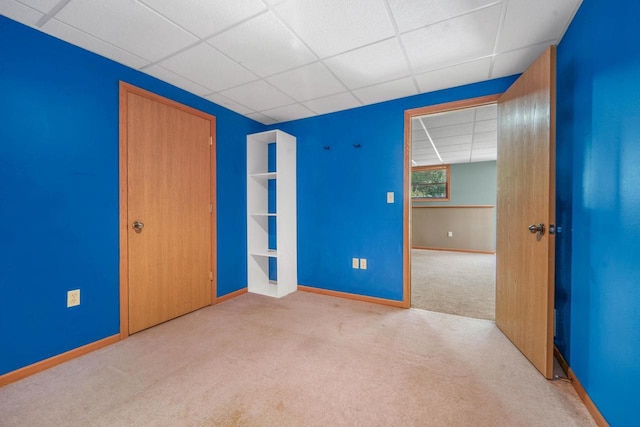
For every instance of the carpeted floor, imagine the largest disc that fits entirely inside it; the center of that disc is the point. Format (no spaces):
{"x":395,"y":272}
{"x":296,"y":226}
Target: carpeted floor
{"x":454,"y":282}
{"x":304,"y":360}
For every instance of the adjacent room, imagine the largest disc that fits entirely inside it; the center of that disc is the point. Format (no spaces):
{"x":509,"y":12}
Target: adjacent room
{"x":208,"y":215}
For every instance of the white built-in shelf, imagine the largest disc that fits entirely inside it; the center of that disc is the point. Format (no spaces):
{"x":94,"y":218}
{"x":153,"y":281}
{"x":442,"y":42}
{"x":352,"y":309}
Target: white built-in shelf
{"x":264,"y":233}
{"x":264,"y":175}
{"x":272,"y":253}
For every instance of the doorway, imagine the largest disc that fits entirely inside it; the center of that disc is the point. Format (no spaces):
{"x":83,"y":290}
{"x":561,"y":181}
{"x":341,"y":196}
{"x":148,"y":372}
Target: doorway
{"x":167,"y":209}
{"x":453,"y":198}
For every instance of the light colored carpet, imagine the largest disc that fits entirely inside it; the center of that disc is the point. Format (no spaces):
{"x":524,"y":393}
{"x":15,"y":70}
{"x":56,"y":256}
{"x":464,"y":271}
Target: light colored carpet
{"x":454,"y":282}
{"x":304,"y":360}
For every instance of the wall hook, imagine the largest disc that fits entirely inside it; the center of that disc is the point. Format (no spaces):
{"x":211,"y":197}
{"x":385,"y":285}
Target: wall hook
{"x":327,"y":147}
{"x":357,"y":145}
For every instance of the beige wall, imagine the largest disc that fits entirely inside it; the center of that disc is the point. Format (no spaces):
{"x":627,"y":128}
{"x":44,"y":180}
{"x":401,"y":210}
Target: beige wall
{"x":473,"y":227}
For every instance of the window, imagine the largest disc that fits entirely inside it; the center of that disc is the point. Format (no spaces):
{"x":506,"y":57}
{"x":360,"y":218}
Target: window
{"x":430,"y":183}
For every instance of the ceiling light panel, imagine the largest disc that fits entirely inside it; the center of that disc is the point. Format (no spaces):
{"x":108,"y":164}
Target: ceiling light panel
{"x":515,"y":62}
{"x":258,"y":95}
{"x":44,"y":6}
{"x":289,"y":112}
{"x":531,"y":22}
{"x":386,"y":91}
{"x":176,"y":80}
{"x":19,"y":12}
{"x":331,"y":27}
{"x":329,"y":104}
{"x":128,"y":25}
{"x":263,"y":45}
{"x":456,"y":75}
{"x":208,"y":67}
{"x":365,"y":67}
{"x":79,"y":38}
{"x":453,"y":42}
{"x":205,"y":17}
{"x":307,"y":82}
{"x":412,"y":14}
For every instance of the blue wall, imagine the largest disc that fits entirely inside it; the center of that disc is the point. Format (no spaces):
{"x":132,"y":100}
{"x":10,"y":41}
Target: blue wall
{"x":59,"y":193}
{"x":342,"y":209}
{"x":599,"y":143}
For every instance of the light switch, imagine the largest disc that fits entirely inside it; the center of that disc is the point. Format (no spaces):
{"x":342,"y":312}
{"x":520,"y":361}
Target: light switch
{"x":363,"y":263}
{"x":450,"y":234}
{"x":355,"y":263}
{"x":390,"y":197}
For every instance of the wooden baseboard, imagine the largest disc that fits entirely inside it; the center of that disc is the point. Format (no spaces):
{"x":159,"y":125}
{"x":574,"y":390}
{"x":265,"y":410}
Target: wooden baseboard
{"x":230,"y":295}
{"x":356,"y":297}
{"x":473,"y":251}
{"x":582,"y":393}
{"x":21,"y":373}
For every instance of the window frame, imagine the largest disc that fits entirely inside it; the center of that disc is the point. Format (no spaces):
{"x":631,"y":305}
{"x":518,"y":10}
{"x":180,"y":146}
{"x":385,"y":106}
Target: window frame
{"x":447,"y":169}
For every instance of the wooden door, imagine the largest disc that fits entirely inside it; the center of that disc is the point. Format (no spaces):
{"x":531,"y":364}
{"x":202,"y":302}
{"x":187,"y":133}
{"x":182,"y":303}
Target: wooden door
{"x":169,"y":192}
{"x":526,"y":196}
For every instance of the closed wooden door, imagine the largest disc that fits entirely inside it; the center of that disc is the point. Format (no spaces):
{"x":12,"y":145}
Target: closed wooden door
{"x":169,"y":208}
{"x":526,"y":202}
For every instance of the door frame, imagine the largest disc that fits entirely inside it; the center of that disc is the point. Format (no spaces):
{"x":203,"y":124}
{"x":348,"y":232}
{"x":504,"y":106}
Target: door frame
{"x":124,"y":90}
{"x":406,"y":221}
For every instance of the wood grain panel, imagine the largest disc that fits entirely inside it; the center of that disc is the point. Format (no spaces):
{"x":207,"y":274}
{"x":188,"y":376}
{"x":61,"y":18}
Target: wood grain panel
{"x":524,"y":262}
{"x":167,"y":184}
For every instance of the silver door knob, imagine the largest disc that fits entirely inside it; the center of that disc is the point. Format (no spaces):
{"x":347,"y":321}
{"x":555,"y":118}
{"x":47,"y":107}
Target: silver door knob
{"x":137,"y":226}
{"x":536,"y":228}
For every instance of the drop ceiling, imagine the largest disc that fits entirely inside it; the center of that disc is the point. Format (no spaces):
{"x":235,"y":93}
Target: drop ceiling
{"x":461,"y":136}
{"x":281,"y":60}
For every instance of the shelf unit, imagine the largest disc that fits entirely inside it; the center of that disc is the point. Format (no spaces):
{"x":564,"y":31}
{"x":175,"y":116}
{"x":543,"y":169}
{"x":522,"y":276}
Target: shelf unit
{"x":272,"y":257}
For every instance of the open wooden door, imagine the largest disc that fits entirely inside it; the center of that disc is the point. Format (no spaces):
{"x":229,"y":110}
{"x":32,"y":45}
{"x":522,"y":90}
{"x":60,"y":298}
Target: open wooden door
{"x":525,"y":244}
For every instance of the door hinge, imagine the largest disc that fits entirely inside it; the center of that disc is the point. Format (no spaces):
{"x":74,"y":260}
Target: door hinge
{"x":210,"y":140}
{"x":211,"y":275}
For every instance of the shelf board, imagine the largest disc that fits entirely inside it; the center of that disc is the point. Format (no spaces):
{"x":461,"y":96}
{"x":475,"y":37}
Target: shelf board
{"x":263,"y":214}
{"x":271,"y":253}
{"x":265,"y":175}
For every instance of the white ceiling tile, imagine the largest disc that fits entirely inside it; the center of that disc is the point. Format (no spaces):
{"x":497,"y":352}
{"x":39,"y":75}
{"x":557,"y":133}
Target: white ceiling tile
{"x":176,"y":80}
{"x":330,"y":27}
{"x":451,"y":131}
{"x":44,"y":6}
{"x":263,"y":45}
{"x":258,"y":95}
{"x":412,"y":14}
{"x":128,"y":25}
{"x":261,"y":118}
{"x":79,"y":38}
{"x":288,"y":113}
{"x":364,"y":67}
{"x":448,"y":118}
{"x":453,"y":76}
{"x":329,"y":104}
{"x":308,"y":82}
{"x":225,"y":102}
{"x":19,"y":12}
{"x":531,"y":22}
{"x":453,"y":42}
{"x":487,"y":112}
{"x":386,"y":91}
{"x":208,"y":67}
{"x":516,"y":61}
{"x":477,"y":145}
{"x":485,"y":136}
{"x":486,"y":125}
{"x":205,"y":17}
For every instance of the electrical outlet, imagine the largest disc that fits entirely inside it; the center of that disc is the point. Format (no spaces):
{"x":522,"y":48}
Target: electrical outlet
{"x":450,"y":234}
{"x":73,"y":298}
{"x":363,"y":263}
{"x":390,"y":197}
{"x":355,"y":263}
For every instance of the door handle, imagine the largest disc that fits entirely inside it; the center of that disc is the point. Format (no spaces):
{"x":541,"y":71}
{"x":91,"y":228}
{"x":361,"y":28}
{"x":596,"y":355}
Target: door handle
{"x":137,"y":226}
{"x":537,"y":228}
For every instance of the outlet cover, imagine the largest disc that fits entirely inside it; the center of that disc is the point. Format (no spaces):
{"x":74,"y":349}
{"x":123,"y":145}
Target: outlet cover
{"x":73,"y":298}
{"x":450,"y":234}
{"x":363,"y":263}
{"x":390,"y":197}
{"x":355,"y":262}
